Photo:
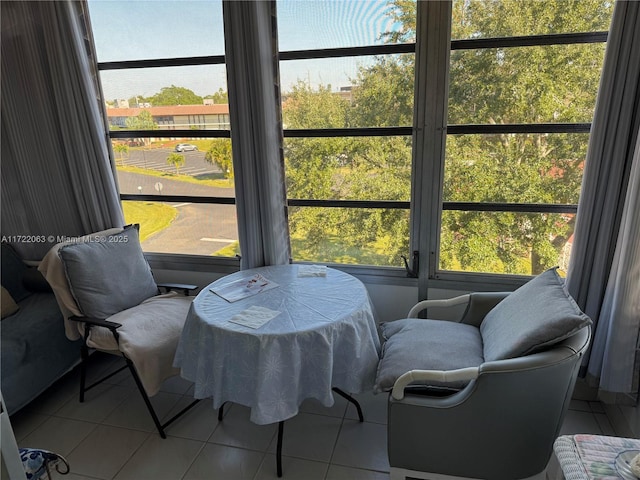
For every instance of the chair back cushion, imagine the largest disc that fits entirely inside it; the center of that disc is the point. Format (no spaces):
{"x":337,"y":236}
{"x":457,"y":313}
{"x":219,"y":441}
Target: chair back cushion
{"x":536,"y":315}
{"x":108,"y":275}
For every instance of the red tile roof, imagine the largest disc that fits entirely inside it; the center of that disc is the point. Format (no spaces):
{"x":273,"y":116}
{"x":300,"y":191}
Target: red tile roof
{"x":219,"y":108}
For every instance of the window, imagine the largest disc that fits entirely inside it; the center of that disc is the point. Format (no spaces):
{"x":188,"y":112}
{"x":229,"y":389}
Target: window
{"x":523,"y":79}
{"x":348,"y":115}
{"x":452,"y":133}
{"x":164,"y":83}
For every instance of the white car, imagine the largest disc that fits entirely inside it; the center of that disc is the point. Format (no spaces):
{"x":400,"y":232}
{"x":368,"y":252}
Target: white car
{"x":185,"y":147}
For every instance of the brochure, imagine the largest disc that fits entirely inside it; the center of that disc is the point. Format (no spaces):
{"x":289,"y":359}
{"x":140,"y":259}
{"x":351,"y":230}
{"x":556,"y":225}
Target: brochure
{"x":254,"y":316}
{"x":246,"y":287}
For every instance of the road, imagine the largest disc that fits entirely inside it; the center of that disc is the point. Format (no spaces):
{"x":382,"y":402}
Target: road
{"x":199,"y":229}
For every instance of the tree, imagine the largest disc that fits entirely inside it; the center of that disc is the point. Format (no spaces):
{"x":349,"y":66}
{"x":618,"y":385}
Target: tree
{"x":219,"y":153}
{"x":176,"y":160}
{"x":121,"y":149}
{"x":220,"y":97}
{"x":175,"y":96}
{"x":143,"y":121}
{"x":507,"y":85}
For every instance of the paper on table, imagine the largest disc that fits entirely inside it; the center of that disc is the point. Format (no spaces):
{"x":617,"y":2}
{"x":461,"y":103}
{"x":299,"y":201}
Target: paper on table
{"x":244,"y":288}
{"x":254,"y":316}
{"x":312,"y":271}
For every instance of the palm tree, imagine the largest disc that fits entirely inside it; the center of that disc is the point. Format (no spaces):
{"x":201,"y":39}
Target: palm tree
{"x":177,"y":160}
{"x":121,"y":149}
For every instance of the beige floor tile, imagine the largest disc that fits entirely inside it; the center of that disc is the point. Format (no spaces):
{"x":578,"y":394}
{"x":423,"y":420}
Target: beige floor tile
{"x":224,"y":462}
{"x":104,"y":452}
{"x":338,"y":472}
{"x":236,"y":430}
{"x":292,"y":468}
{"x":161,"y":459}
{"x":133,"y":413}
{"x":98,"y":403}
{"x":374,"y":407}
{"x":311,"y":405}
{"x":59,"y":435}
{"x":198,"y":423}
{"x":308,"y":436}
{"x":362,"y":445}
{"x":580,"y":422}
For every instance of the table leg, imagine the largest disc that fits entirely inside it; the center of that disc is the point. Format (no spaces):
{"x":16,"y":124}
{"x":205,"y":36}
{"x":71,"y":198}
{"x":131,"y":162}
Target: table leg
{"x":221,"y":411}
{"x":350,"y":399}
{"x":279,"y":449}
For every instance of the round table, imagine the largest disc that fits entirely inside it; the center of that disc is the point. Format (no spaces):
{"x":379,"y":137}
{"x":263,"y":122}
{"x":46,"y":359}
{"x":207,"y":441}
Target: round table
{"x":324,"y":337}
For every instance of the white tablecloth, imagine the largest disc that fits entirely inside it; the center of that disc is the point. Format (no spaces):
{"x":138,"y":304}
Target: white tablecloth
{"x":324,"y":336}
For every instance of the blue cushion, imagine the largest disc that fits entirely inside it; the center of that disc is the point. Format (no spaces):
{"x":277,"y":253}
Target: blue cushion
{"x":422,"y":344}
{"x":536,"y":315}
{"x":13,"y":269}
{"x":109,"y":275}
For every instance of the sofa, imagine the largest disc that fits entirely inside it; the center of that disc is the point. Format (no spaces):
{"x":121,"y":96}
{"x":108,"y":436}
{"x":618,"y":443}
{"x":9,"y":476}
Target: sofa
{"x":34,"y":350}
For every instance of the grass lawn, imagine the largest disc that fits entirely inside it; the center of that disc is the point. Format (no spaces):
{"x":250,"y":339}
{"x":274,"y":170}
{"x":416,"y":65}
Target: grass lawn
{"x":151,"y":216}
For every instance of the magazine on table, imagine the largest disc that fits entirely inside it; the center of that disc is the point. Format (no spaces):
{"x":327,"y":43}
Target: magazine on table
{"x":246,"y":287}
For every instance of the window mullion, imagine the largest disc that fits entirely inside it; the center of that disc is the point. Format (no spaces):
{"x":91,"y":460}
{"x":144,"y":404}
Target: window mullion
{"x":433,"y":38}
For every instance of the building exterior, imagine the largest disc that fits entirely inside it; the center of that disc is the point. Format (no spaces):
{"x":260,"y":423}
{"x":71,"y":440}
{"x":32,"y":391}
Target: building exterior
{"x":175,"y":117}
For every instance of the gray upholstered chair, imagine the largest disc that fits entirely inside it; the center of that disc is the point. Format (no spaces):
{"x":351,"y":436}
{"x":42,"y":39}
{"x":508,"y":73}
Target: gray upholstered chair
{"x":109,"y":298}
{"x":484,"y":397}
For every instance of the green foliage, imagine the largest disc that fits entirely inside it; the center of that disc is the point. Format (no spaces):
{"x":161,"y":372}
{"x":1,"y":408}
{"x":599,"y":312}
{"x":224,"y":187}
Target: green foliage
{"x":143,"y":121}
{"x":542,"y":84}
{"x":219,"y":153}
{"x":175,"y":96}
{"x":221,"y":96}
{"x":177,"y":160}
{"x":121,"y":149}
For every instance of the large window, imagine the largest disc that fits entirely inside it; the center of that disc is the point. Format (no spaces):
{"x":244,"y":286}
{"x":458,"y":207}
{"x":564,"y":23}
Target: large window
{"x":457,"y":142}
{"x":523,"y":79}
{"x":347,"y":109}
{"x":163,"y":79}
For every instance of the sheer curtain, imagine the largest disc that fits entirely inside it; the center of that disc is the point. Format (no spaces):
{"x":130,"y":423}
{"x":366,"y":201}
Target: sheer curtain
{"x":256,"y":132}
{"x":57,"y":179}
{"x":603,"y":274}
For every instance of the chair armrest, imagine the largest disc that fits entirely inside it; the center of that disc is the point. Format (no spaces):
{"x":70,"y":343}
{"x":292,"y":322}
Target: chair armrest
{"x":444,"y":376}
{"x":449,"y":302}
{"x":186,"y":288}
{"x":97,"y":322}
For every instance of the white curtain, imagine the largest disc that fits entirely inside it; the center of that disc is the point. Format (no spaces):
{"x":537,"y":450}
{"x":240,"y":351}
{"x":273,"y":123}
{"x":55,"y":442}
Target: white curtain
{"x":57,"y":178}
{"x":256,"y":132}
{"x":603,"y":273}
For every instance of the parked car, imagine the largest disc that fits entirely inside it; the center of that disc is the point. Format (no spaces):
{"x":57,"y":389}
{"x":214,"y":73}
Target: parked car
{"x":185,"y":147}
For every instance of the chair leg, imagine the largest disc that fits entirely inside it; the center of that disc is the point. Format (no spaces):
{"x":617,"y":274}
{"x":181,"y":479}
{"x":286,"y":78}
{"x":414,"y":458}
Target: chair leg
{"x":145,"y":397}
{"x":84,"y":357}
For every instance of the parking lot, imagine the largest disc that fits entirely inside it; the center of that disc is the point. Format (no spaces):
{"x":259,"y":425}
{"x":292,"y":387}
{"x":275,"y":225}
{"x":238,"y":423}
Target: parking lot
{"x":156,"y":159}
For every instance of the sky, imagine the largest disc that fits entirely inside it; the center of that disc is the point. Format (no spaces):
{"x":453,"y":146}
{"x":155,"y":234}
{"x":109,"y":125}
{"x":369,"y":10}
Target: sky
{"x":136,"y":30}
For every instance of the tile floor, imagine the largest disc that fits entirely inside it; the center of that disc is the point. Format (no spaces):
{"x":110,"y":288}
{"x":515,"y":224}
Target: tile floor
{"x":111,"y":435}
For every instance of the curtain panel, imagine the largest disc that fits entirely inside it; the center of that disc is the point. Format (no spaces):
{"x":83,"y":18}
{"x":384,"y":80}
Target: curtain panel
{"x":251,"y":52}
{"x":604,"y":253}
{"x":54,"y":145}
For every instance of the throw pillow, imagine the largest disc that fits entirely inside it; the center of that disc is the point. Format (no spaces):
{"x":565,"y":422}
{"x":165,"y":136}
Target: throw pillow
{"x":52,"y":269}
{"x":109,"y":275}
{"x":421,"y":344}
{"x":536,"y":315}
{"x":9,"y":307}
